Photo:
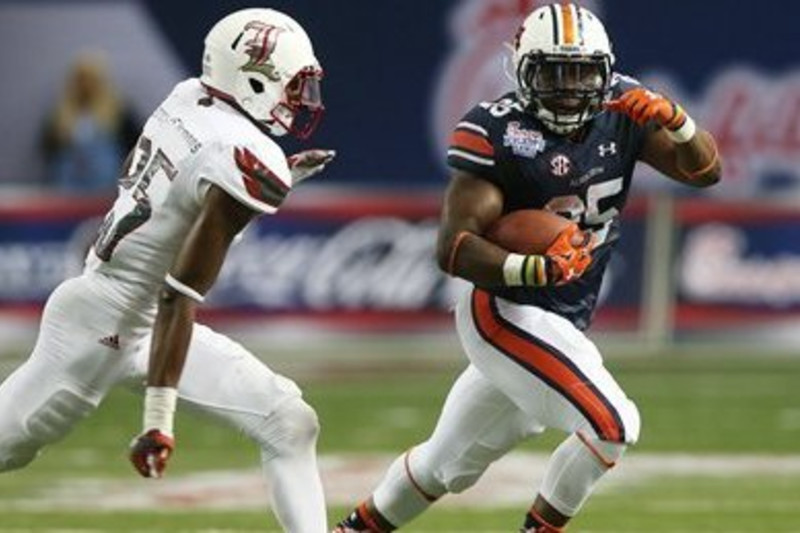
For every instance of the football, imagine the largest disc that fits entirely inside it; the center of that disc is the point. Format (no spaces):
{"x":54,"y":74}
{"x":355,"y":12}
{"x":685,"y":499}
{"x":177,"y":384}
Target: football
{"x":527,"y":231}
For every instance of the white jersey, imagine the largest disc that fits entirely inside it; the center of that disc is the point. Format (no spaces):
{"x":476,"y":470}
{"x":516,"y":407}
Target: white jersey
{"x":190,"y":142}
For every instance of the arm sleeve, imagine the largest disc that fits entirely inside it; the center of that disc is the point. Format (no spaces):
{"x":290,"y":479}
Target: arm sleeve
{"x":471,"y":148}
{"x":258,"y":179}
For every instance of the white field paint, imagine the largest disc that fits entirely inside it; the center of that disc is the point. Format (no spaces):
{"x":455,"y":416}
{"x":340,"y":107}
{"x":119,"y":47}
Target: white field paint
{"x":348,"y":478}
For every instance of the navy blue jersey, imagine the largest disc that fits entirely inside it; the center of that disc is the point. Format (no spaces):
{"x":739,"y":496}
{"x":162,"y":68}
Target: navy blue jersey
{"x":585,"y":179}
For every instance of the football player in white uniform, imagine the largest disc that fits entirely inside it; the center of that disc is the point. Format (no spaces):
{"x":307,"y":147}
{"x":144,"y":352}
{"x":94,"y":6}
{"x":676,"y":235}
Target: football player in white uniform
{"x":567,"y":140}
{"x":203,"y":168}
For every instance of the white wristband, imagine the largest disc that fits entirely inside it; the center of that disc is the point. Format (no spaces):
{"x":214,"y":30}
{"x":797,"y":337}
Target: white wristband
{"x":159,"y":409}
{"x":685,"y":133}
{"x":512,"y":270}
{"x":184,"y":289}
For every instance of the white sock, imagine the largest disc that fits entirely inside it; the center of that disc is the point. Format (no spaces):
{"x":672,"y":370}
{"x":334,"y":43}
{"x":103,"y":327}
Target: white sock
{"x":290,"y":465}
{"x":296,"y":494}
{"x":572,"y":473}
{"x":397,"y":498}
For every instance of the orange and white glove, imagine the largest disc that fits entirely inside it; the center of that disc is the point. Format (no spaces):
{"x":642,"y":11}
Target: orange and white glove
{"x":150,"y":451}
{"x":569,"y":256}
{"x":565,"y":260}
{"x":642,"y":105}
{"x":307,"y":163}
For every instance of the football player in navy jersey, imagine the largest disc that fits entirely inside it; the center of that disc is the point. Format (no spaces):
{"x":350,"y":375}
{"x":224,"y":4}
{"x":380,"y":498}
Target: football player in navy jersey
{"x":566,"y":140}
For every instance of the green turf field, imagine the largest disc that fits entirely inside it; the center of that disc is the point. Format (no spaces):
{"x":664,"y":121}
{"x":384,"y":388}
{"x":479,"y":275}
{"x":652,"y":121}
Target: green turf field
{"x":692,"y":407}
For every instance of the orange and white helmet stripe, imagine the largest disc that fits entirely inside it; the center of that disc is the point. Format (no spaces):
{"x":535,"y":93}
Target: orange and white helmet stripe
{"x":567,"y":24}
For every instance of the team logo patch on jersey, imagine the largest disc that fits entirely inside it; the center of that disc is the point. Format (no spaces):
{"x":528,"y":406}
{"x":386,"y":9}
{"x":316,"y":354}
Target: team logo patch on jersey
{"x":560,"y":165}
{"x":523,"y":142}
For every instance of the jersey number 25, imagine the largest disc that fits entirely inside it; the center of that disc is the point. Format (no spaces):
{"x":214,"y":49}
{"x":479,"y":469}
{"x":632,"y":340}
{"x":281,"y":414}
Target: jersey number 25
{"x":587,"y":213}
{"x":133,"y":207}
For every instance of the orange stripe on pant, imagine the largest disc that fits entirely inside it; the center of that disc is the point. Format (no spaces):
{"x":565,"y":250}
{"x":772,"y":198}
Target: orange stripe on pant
{"x":548,"y":365}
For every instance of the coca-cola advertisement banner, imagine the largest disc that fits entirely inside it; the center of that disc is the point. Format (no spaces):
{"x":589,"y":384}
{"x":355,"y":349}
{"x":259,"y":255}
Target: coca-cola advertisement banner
{"x":367,"y":261}
{"x":363,"y":261}
{"x":737,"y":264}
{"x":42,"y":242}
{"x":352,"y":260}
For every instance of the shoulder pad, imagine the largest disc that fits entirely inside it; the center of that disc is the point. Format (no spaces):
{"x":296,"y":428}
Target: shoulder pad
{"x":255,"y":174}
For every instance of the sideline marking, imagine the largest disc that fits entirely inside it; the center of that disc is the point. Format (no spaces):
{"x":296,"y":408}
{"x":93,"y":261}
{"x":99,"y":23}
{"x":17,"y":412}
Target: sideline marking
{"x":509,"y":482}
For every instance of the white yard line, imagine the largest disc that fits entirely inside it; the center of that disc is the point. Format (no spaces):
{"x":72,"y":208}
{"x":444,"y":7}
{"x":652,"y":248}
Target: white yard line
{"x":347,"y":478}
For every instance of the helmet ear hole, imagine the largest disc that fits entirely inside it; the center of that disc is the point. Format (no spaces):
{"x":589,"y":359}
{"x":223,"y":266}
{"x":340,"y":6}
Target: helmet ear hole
{"x":256,"y":85}
{"x":249,"y":57}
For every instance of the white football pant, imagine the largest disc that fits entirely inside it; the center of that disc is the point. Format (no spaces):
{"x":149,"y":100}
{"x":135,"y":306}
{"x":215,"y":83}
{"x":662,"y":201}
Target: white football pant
{"x":530,"y":369}
{"x":86,"y":345}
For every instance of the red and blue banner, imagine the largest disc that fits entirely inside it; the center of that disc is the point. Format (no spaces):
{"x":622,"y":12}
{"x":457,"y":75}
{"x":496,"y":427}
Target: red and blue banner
{"x":367,"y":261}
{"x":736,"y":264}
{"x":355,"y":260}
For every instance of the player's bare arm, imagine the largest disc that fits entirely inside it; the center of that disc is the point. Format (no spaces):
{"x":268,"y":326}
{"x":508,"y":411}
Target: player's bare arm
{"x":676,"y":146}
{"x":695,"y":163}
{"x":194,"y":271}
{"x":471,"y":205}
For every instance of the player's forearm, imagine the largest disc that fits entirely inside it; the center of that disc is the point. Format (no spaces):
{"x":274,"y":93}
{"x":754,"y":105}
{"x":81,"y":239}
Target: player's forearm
{"x":488,"y":265}
{"x":172,"y":333}
{"x":698,"y":160}
{"x":678,"y":148}
{"x":474,"y":259}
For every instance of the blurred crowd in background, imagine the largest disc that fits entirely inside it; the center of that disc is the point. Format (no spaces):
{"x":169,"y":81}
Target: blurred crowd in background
{"x":88,"y":130}
{"x":402,"y":73}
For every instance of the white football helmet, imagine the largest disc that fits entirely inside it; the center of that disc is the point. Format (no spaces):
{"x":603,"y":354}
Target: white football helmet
{"x":262,"y":61}
{"x":563,"y":61}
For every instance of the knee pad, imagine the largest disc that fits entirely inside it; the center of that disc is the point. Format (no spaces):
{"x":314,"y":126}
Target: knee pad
{"x":49,"y":423}
{"x":292,"y":426}
{"x":457,"y":474}
{"x":455,"y":481}
{"x":15,"y":454}
{"x":607,"y":452}
{"x":575,"y":468}
{"x":57,"y":416}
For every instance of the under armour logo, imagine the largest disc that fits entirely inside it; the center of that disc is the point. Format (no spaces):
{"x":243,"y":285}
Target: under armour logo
{"x":607,"y":149}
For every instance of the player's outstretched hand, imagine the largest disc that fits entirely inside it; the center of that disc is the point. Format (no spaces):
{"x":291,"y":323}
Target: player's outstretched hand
{"x":570,"y":255}
{"x":643,"y":105}
{"x":305,"y":164}
{"x":150,"y":451}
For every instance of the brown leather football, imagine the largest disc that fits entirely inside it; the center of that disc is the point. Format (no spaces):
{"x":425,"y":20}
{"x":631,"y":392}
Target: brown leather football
{"x":527,"y":231}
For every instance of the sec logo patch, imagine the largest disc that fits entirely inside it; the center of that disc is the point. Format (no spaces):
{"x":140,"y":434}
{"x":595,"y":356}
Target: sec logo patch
{"x":560,"y":165}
